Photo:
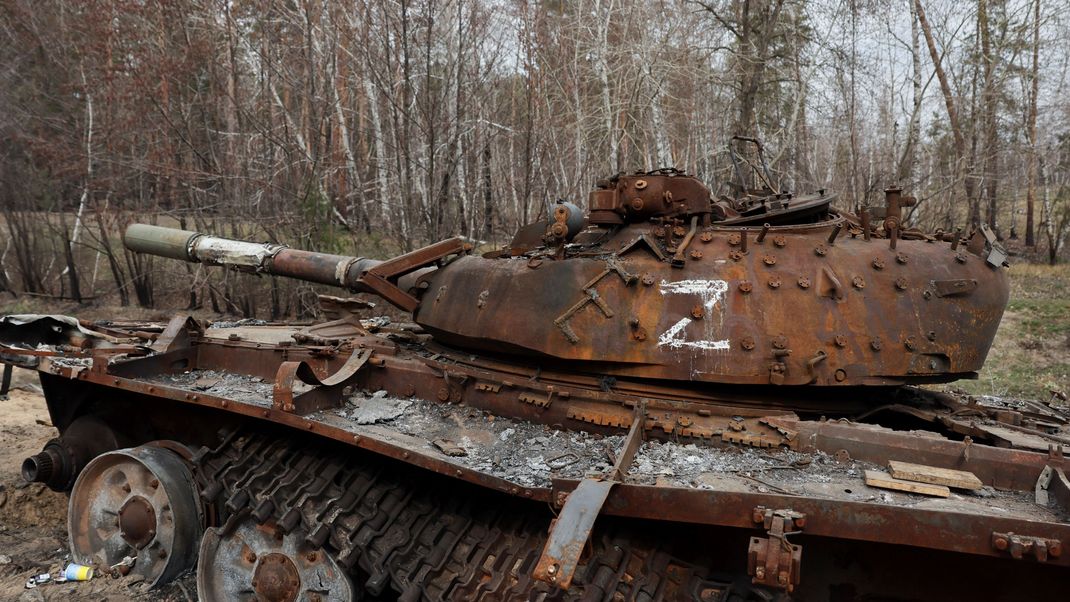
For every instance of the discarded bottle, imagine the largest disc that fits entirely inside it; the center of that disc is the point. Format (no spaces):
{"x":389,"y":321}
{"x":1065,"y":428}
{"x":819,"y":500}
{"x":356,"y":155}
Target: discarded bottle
{"x":42,"y":579}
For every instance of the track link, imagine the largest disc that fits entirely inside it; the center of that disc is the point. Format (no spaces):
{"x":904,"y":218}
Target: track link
{"x":424,"y":536}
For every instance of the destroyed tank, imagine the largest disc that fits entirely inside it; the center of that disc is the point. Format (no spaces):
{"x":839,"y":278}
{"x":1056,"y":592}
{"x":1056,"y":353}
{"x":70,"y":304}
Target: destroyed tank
{"x":666,"y":397}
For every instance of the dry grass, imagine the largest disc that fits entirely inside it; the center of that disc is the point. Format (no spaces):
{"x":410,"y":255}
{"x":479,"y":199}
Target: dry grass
{"x":1031,"y":354}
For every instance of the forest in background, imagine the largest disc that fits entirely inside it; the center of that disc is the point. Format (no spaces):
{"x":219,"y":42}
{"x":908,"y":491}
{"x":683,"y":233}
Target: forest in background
{"x":374,"y":127}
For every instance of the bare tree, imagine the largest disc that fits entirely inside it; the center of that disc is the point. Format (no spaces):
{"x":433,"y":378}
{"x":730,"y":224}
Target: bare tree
{"x":1031,"y":128}
{"x":963,"y":157}
{"x":374,"y":128}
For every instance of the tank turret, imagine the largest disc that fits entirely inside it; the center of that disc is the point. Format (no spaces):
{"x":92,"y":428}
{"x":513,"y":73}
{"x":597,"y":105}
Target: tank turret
{"x":661,"y":281}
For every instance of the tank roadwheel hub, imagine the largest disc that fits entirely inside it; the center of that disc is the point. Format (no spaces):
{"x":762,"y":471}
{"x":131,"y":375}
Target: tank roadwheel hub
{"x":247,"y":561}
{"x":138,"y":503}
{"x":137,"y":521}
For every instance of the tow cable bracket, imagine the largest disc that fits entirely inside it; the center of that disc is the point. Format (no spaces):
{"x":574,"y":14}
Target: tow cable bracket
{"x":774,"y":561}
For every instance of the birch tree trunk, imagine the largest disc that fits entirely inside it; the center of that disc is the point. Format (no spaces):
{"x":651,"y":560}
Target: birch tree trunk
{"x":990,"y":156}
{"x":908,"y":164}
{"x":962,"y":168}
{"x":1031,"y":127}
{"x":601,"y":61}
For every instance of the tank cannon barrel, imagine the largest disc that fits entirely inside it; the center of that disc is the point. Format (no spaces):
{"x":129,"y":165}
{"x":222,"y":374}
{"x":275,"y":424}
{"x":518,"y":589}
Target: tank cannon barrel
{"x":321,"y":268}
{"x":392,"y":279}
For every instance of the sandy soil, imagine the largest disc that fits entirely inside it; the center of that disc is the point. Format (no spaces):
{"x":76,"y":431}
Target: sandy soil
{"x":33,"y":519}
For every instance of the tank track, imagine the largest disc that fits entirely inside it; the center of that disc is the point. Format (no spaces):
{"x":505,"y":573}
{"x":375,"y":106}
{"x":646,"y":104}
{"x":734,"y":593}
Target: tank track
{"x":423,"y":536}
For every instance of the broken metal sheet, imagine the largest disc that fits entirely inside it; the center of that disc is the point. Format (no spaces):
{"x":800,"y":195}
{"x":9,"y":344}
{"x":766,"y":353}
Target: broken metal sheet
{"x":352,"y":365}
{"x":285,"y":395}
{"x":569,"y":532}
{"x":376,"y":408}
{"x":31,"y":330}
{"x":449,"y":448}
{"x":1015,"y":438}
{"x":631,"y":445}
{"x":571,"y":529}
{"x":1053,"y":486}
{"x":178,"y":334}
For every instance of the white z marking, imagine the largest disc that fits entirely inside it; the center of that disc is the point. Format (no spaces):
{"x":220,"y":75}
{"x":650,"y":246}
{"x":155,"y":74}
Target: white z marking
{"x":710,"y":291}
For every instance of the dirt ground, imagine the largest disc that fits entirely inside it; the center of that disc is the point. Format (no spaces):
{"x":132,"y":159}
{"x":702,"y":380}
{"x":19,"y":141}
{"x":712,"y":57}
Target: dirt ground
{"x":33,"y":519}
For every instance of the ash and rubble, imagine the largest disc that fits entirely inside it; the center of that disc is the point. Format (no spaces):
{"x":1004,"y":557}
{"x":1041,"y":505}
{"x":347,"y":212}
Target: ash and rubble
{"x":1051,"y":408}
{"x":524,"y":453}
{"x":682,"y":465}
{"x":818,"y":474}
{"x":236,"y":323}
{"x":239,"y":387}
{"x":71,"y":362}
{"x":531,"y":454}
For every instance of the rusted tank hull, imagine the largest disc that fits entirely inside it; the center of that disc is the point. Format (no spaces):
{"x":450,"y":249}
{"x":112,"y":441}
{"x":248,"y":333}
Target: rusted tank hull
{"x":233,"y":380}
{"x":792,"y":310}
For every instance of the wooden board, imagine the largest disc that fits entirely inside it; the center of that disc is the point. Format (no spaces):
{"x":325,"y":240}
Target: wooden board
{"x":920,"y":473}
{"x":876,"y":478}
